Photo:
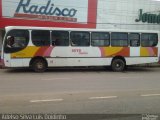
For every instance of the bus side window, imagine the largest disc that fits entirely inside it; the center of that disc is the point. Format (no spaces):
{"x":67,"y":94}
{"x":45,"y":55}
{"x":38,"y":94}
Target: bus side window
{"x":41,"y":37}
{"x":60,"y":38}
{"x":134,"y":39}
{"x":79,"y":38}
{"x":119,"y":39}
{"x":100,"y":39}
{"x":149,"y":39}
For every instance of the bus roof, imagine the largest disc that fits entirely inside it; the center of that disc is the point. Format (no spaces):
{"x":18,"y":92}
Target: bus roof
{"x":8,"y":28}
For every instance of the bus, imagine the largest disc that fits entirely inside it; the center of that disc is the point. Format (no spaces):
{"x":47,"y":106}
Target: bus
{"x":43,"y":47}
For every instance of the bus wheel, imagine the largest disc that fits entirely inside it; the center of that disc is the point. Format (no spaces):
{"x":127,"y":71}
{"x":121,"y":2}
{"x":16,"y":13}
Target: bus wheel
{"x":118,"y":65}
{"x":39,"y":65}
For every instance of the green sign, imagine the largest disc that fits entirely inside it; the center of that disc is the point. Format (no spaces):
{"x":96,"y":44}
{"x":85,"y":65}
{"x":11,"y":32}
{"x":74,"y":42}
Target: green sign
{"x":148,"y":17}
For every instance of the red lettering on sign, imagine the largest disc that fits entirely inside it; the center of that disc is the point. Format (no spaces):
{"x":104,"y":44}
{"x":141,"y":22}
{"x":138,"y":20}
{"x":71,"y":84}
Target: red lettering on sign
{"x":76,"y":50}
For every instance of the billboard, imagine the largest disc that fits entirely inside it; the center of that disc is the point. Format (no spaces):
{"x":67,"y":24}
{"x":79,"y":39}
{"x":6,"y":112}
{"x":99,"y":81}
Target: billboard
{"x":49,"y":13}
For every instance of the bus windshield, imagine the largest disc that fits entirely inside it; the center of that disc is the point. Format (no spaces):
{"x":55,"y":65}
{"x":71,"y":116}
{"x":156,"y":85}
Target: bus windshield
{"x":16,"y":40}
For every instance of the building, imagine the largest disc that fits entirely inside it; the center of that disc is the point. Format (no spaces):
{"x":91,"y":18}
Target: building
{"x":103,"y":14}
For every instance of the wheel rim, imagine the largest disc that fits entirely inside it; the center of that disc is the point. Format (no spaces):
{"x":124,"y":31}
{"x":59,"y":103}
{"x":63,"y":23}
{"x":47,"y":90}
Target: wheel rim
{"x":118,"y":65}
{"x":40,"y":65}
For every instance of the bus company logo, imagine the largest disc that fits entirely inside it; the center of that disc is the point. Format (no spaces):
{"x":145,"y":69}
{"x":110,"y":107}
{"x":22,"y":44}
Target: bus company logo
{"x":79,"y":51}
{"x":46,"y":12}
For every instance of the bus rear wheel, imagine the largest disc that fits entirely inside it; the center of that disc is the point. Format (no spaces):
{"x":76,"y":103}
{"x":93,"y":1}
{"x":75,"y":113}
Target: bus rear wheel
{"x":39,"y":65}
{"x":118,"y":65}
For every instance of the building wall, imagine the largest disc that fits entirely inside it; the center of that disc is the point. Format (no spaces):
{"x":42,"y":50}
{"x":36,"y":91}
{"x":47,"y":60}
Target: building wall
{"x":121,"y":14}
{"x":0,"y":40}
{"x":68,"y":13}
{"x":101,"y":14}
{"x":48,"y":13}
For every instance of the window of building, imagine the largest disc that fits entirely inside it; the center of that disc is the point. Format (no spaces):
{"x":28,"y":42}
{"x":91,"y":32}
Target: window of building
{"x":100,"y":39}
{"x":134,"y":39}
{"x":60,"y":38}
{"x":80,"y":38}
{"x":119,"y":39}
{"x":41,"y":37}
{"x":149,"y":39}
{"x":16,"y":40}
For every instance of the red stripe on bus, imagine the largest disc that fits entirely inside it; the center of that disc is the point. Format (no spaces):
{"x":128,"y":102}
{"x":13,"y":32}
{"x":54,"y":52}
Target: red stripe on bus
{"x":41,"y":51}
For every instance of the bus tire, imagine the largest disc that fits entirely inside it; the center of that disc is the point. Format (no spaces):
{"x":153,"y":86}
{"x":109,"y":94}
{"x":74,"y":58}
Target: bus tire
{"x":118,"y":65}
{"x":39,"y":65}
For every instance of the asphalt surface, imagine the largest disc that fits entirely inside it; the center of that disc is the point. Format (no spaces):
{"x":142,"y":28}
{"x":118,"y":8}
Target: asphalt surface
{"x":81,"y":91}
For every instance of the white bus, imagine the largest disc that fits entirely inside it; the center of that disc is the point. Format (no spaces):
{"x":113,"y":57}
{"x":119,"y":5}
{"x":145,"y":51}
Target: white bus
{"x":40,"y":48}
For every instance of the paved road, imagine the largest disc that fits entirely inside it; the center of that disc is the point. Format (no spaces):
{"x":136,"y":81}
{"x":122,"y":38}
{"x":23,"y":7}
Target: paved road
{"x":135,"y":91}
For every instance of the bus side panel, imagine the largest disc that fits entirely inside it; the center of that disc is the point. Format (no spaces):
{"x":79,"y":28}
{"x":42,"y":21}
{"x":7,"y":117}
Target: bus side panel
{"x":7,"y":60}
{"x":71,"y":62}
{"x":16,"y":62}
{"x":140,"y":60}
{"x":159,"y":46}
{"x":26,"y":62}
{"x":149,"y":52}
{"x":76,"y":52}
{"x":134,"y":51}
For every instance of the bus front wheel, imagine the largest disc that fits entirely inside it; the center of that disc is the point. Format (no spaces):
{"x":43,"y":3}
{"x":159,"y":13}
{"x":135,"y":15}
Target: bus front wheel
{"x":118,"y":65}
{"x":39,"y":65}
